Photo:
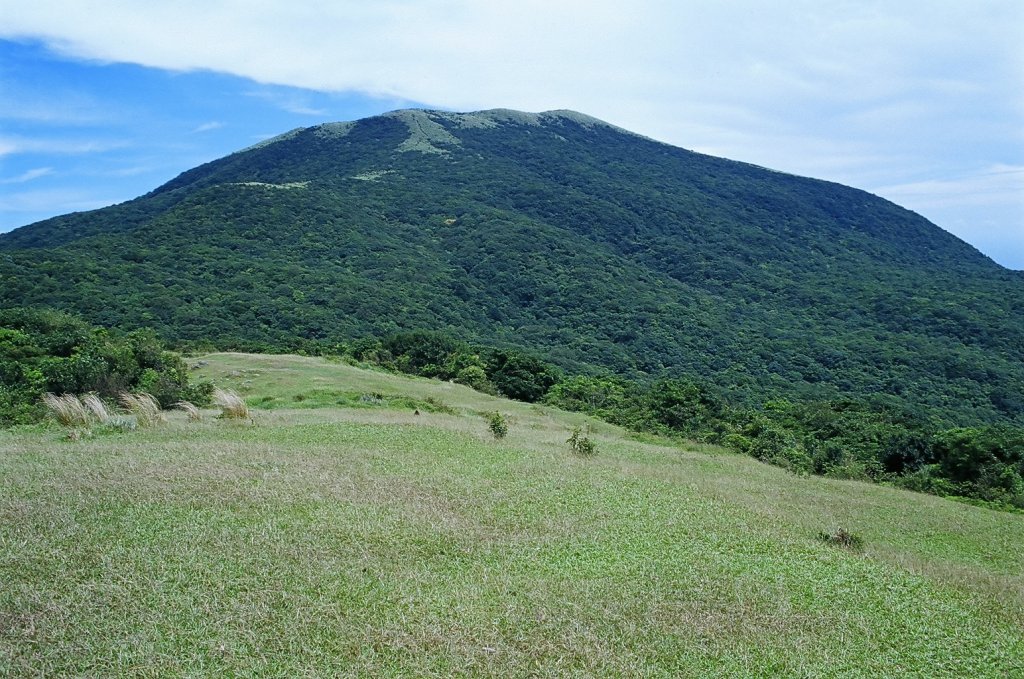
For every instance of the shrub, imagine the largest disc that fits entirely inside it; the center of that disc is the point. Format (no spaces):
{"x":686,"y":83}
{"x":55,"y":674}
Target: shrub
{"x":232,"y":406}
{"x":581,"y":444}
{"x":606,"y":397}
{"x":520,"y":376}
{"x":374,"y":399}
{"x":198,"y":393}
{"x":369,"y":350}
{"x":424,"y":352}
{"x":45,"y":351}
{"x":19,"y":405}
{"x":986,"y":463}
{"x":852,"y":470}
{"x":119,"y":424}
{"x":80,"y":413}
{"x":685,"y":407}
{"x":843,"y":538}
{"x":771,"y":443}
{"x":475,"y":377}
{"x":738,"y":443}
{"x":498,"y":425}
{"x":436,"y":405}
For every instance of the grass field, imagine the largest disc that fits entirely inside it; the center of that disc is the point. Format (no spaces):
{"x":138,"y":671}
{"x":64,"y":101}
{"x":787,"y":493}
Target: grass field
{"x":337,"y":533}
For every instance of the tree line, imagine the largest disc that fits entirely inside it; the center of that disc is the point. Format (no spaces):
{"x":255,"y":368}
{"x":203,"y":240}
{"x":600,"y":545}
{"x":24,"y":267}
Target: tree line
{"x":841,"y":438}
{"x":43,"y":350}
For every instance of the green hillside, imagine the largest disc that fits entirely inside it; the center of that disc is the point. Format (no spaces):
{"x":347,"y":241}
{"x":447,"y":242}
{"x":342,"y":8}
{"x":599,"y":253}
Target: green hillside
{"x":554,"y":232}
{"x":339,"y":533}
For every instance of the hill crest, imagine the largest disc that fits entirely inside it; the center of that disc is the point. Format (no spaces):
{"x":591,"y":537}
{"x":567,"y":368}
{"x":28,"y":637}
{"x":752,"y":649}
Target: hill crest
{"x":427,"y":135}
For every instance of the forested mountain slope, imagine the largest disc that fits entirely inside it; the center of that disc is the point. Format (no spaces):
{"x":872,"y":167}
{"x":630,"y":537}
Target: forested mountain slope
{"x":555,"y":232}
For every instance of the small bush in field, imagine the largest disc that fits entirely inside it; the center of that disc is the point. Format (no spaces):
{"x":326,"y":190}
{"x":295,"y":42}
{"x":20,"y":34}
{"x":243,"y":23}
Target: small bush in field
{"x":436,"y":405}
{"x":843,"y":538}
{"x":581,"y":444}
{"x":232,"y":406}
{"x":81,"y":414}
{"x":373,"y":399}
{"x":119,"y":424}
{"x":498,"y":425}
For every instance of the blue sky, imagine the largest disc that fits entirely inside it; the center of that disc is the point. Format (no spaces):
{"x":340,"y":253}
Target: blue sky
{"x":919,"y":102}
{"x":78,"y":135}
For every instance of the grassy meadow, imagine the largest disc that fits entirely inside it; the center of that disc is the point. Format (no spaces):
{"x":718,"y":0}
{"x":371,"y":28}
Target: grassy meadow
{"x":338,"y":533}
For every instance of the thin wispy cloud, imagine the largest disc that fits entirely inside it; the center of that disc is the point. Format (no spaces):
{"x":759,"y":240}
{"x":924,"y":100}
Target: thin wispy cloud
{"x":134,"y":171}
{"x":206,"y":127}
{"x":17,"y":145}
{"x":289,"y":102}
{"x":66,"y":200}
{"x":998,"y":184}
{"x":28,"y":175}
{"x":22,"y":102}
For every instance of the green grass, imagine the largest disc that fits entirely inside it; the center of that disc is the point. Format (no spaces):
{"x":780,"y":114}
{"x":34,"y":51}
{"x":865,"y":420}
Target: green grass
{"x":370,"y":541}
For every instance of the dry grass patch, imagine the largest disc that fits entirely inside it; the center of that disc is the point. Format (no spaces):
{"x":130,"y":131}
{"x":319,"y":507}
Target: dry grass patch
{"x":96,"y":408}
{"x":232,"y":406}
{"x":191,"y":411}
{"x":144,"y":407}
{"x":68,"y":410}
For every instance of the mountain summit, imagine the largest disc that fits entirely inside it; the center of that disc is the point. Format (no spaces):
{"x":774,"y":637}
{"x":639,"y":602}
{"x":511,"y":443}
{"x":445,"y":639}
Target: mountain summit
{"x":556,"y":232}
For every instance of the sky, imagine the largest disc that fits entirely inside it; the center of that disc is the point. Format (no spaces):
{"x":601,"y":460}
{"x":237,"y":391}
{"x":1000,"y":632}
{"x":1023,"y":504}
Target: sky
{"x":918,"y":101}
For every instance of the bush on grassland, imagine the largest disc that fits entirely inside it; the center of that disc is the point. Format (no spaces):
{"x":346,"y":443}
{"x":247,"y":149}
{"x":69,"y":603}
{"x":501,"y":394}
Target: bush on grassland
{"x":498,"y":425}
{"x":46,"y":351}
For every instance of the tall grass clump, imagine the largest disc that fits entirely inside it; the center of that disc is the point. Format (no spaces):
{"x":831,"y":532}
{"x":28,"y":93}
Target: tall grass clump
{"x":232,"y":406}
{"x":68,"y":410}
{"x":96,"y":408}
{"x":191,"y":411}
{"x":143,"y":406}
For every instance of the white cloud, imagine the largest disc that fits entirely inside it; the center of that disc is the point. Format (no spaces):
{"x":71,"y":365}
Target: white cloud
{"x":290,"y":102}
{"x":63,"y":200}
{"x":7,"y":147}
{"x":999,"y":184}
{"x":207,"y":127}
{"x":133,"y":171}
{"x":17,"y":145}
{"x":28,"y":175}
{"x":637,"y":65}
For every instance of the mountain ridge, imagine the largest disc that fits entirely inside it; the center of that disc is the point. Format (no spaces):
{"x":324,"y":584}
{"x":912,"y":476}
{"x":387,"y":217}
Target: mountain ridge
{"x":484,"y":119}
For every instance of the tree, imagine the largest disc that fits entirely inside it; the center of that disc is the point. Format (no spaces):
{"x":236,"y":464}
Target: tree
{"x":521,"y":376}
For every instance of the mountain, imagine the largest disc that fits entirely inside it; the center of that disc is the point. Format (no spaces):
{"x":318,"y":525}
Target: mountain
{"x":556,"y":232}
